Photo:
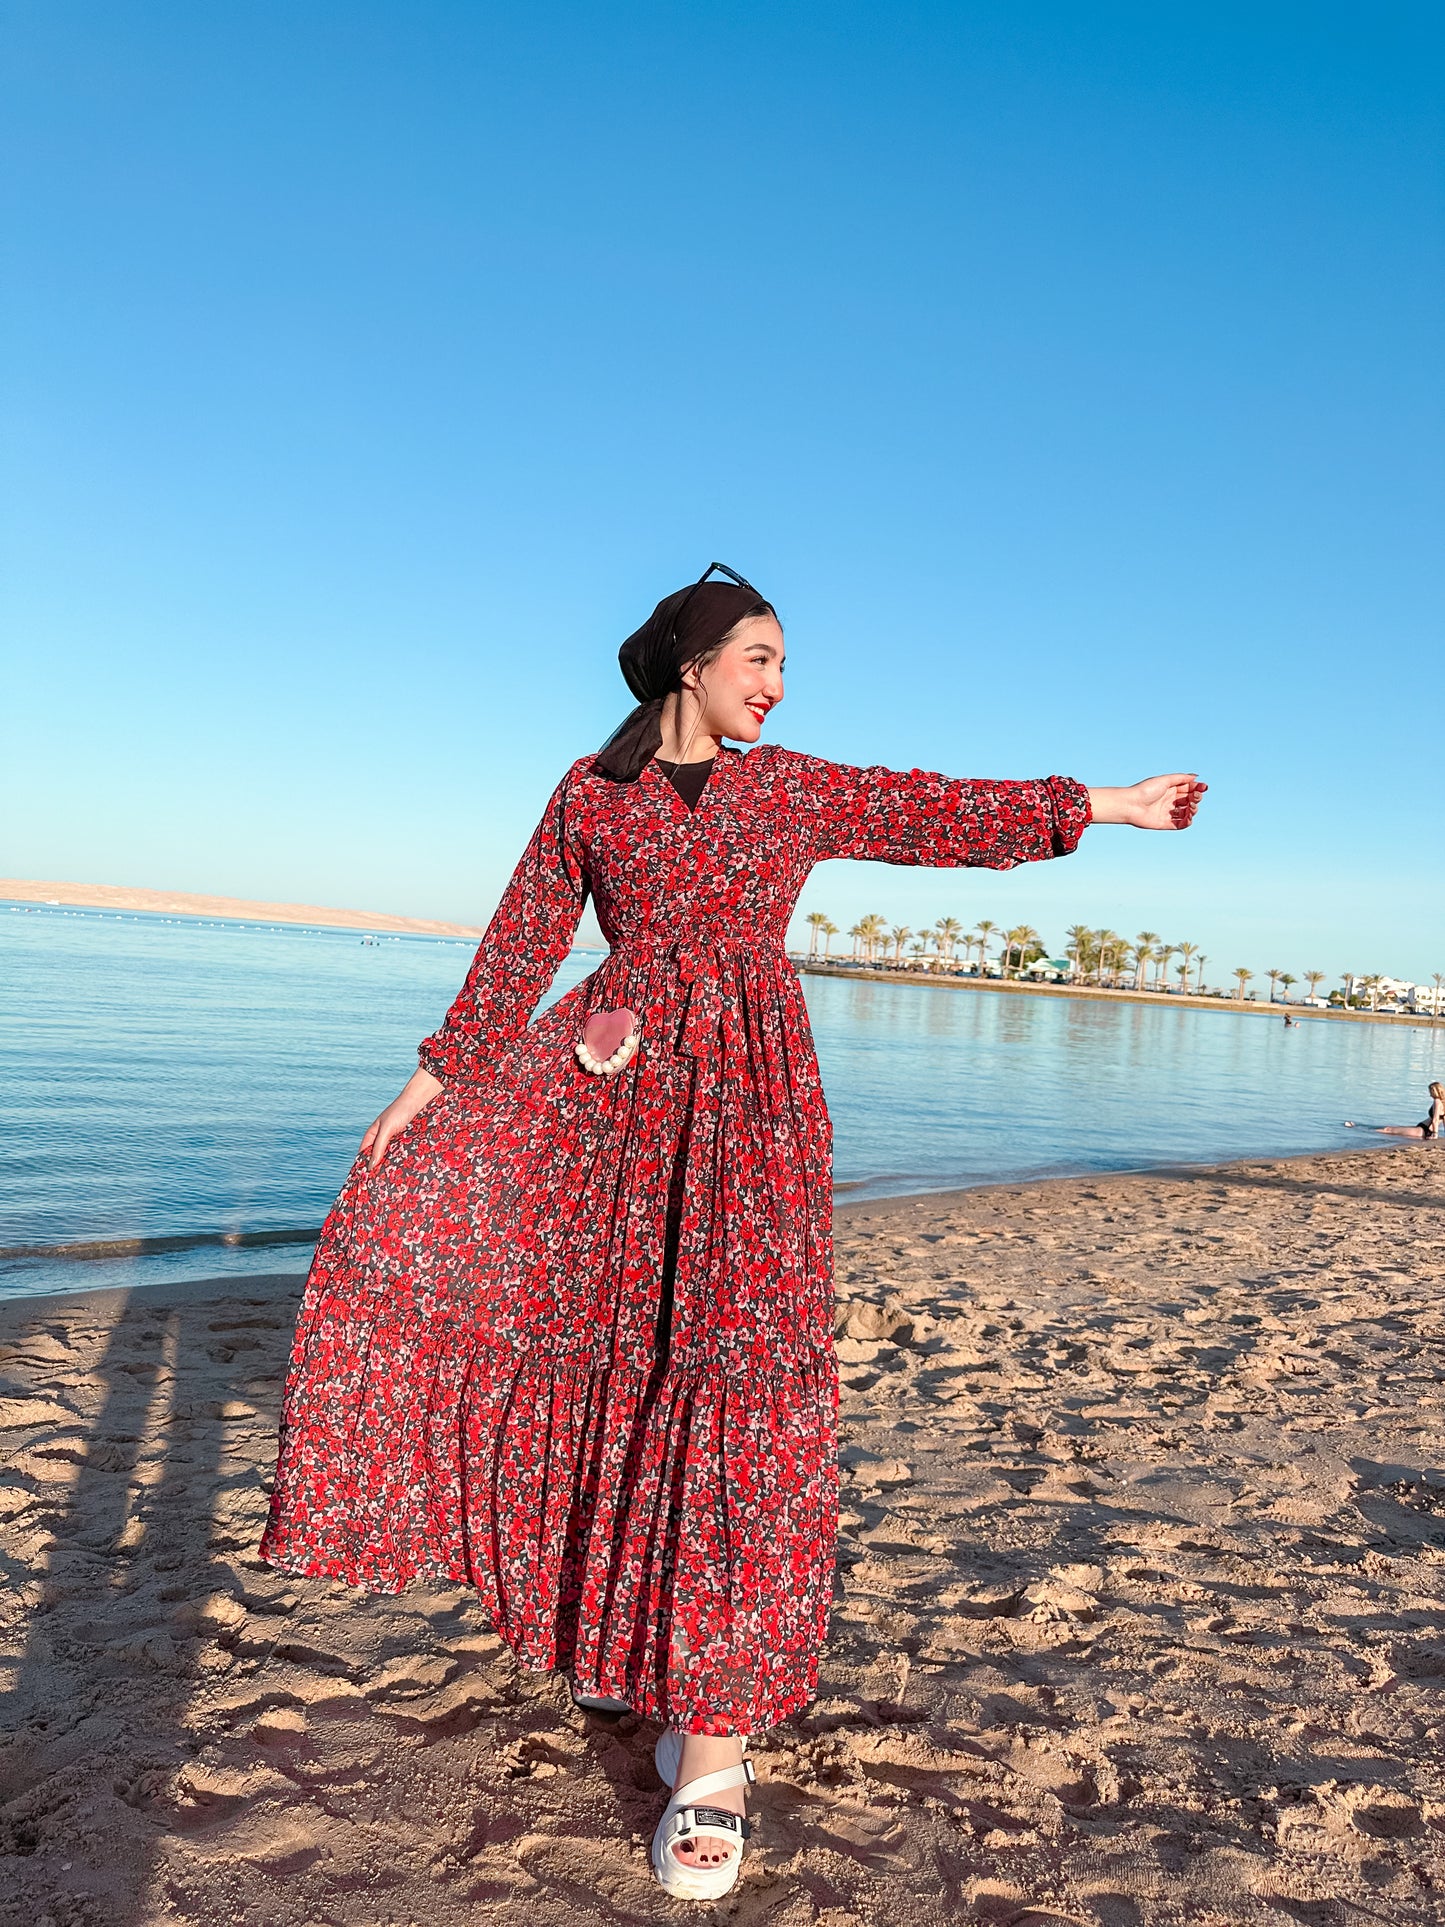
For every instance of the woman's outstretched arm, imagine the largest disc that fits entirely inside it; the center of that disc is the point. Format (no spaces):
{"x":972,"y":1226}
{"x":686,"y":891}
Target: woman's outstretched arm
{"x":918,"y":816}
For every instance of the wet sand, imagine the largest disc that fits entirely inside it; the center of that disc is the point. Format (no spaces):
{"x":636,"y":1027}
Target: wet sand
{"x":1140,"y":1617}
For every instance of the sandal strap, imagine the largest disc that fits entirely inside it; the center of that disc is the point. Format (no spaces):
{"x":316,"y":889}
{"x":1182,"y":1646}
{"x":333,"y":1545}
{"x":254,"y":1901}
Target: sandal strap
{"x":701,"y":1819}
{"x":692,"y":1791}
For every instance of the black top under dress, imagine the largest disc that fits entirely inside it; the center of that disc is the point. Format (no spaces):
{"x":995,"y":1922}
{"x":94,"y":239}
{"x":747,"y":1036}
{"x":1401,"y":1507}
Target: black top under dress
{"x":688,"y":779}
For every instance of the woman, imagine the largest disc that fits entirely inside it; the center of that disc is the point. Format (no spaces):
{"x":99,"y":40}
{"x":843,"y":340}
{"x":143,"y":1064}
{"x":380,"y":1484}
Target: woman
{"x":567,"y":1336}
{"x":1432,"y":1125}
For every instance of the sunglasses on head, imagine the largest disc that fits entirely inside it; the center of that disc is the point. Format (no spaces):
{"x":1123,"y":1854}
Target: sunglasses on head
{"x":713,"y":568}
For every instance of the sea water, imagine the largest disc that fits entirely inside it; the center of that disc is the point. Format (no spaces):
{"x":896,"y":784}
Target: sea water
{"x":180,"y":1079}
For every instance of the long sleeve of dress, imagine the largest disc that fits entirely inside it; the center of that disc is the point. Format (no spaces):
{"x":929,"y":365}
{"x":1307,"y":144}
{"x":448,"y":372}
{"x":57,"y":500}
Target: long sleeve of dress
{"x":916,"y":816}
{"x":530,"y":933}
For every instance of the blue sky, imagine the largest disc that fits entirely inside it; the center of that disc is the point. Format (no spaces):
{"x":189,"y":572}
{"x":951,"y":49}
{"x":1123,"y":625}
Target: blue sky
{"x":1069,"y":375}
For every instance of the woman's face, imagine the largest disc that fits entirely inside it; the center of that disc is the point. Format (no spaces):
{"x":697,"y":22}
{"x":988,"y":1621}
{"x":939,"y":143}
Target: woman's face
{"x":743,"y":683}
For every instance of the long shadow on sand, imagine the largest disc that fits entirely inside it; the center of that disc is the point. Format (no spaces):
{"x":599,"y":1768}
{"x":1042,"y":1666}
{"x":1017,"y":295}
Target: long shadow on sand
{"x":95,"y":1714}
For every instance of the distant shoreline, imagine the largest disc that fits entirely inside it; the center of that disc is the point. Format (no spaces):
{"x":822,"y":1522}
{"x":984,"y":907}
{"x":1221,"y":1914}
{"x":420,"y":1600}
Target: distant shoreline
{"x":876,"y":1204}
{"x":1171,"y":999}
{"x":180,"y":903}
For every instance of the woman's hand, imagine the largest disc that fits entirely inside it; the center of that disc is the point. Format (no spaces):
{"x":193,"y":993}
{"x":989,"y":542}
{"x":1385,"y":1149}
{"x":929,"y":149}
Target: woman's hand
{"x":421,"y":1088}
{"x":1158,"y":803}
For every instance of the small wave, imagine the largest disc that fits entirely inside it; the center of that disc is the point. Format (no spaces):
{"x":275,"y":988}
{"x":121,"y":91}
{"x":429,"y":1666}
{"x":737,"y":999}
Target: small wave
{"x":907,"y":1179}
{"x":143,"y":1247}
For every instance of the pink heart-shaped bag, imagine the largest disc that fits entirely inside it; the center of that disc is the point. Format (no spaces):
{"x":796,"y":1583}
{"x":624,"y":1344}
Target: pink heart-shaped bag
{"x":609,"y":1040}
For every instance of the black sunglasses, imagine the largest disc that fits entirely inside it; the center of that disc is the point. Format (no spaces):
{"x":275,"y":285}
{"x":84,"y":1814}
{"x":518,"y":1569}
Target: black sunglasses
{"x":713,"y":568}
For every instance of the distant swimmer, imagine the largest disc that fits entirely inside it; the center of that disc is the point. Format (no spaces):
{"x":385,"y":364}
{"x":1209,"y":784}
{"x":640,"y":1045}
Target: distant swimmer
{"x":1431,"y":1126}
{"x":1291,"y":1023}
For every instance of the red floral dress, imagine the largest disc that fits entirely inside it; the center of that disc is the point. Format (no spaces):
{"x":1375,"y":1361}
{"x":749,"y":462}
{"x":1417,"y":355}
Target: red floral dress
{"x":572,"y":1343}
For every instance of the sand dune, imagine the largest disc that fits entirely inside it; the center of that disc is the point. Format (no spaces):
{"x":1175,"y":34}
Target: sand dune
{"x":181,"y":903}
{"x":1140,"y":1619}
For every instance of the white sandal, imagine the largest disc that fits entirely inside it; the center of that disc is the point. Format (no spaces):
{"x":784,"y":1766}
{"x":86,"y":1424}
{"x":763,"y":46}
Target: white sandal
{"x":687,"y":1813}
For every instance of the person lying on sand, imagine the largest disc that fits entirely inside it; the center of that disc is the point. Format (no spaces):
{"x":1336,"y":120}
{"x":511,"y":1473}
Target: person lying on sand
{"x":1431,"y":1126}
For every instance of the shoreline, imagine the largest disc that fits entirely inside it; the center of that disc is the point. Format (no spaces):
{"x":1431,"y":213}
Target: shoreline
{"x":120,"y":898}
{"x":954,"y":1196}
{"x":1169,"y":999}
{"x":946,"y":1198}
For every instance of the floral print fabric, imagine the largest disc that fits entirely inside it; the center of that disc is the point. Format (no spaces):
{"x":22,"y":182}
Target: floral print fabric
{"x":571,"y":1343}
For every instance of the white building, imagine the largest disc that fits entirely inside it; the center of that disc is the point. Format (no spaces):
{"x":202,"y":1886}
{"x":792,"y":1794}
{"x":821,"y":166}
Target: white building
{"x":1052,"y":970}
{"x":1424,"y":999}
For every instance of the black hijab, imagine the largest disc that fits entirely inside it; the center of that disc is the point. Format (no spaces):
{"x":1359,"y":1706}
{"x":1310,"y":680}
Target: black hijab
{"x":683,"y":626}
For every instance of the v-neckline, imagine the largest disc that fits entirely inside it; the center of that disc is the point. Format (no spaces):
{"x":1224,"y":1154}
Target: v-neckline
{"x":725,"y":759}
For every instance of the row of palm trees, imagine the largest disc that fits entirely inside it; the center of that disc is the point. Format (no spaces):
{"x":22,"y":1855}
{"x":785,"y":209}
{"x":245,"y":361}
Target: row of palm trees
{"x":1104,"y":957}
{"x":1099,"y":957}
{"x":1356,"y":991}
{"x":875,"y":939}
{"x":1278,"y":980}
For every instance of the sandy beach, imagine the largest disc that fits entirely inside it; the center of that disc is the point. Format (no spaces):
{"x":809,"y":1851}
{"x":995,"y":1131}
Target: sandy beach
{"x":1140,"y":1613}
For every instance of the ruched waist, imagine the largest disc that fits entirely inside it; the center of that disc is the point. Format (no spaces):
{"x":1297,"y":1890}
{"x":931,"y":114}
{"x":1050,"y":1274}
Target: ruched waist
{"x":708,"y":1022}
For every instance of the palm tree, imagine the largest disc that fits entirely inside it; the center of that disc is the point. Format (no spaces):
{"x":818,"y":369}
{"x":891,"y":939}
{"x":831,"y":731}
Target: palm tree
{"x":1314,"y":978}
{"x":1286,"y":980}
{"x":1078,"y":943}
{"x":1186,"y":951}
{"x":1371,"y":988}
{"x":815,"y":921}
{"x":830,"y":930}
{"x":948,"y":931}
{"x":1199,"y":975}
{"x":1349,"y":980}
{"x":899,"y":936}
{"x":1274,"y":977}
{"x":1242,"y":977}
{"x":1143,"y":950}
{"x":1111,"y":949}
{"x":919,"y":949}
{"x":858,"y":933}
{"x":1166,"y":951}
{"x":985,"y":927}
{"x":1181,"y":971}
{"x":876,"y":930}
